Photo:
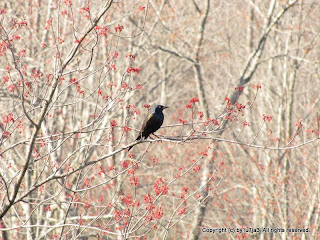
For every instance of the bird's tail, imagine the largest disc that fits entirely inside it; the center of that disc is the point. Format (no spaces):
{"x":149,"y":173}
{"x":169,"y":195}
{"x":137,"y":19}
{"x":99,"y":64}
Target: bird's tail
{"x":137,"y":139}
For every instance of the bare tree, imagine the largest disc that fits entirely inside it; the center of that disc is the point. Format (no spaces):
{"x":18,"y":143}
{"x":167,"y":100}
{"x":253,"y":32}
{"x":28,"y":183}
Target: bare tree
{"x":236,"y":150}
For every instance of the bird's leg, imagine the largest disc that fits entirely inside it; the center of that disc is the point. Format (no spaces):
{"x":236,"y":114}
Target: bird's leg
{"x":155,"y":135}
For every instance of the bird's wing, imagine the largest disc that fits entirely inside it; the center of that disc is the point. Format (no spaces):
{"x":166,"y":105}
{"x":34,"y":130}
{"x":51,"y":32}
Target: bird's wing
{"x":150,"y":125}
{"x":148,"y":122}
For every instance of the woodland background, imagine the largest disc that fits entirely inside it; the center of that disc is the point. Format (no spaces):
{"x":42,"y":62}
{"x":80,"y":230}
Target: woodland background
{"x":239,"y":145}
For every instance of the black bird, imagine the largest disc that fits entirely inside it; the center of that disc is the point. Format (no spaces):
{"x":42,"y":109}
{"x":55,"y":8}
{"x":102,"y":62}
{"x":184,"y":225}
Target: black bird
{"x":152,"y":123}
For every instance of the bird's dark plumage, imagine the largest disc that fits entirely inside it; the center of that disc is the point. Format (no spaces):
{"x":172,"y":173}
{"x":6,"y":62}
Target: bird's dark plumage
{"x":152,"y":123}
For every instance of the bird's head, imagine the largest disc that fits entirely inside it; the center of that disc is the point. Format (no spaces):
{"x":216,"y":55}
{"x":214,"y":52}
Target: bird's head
{"x":159,"y":108}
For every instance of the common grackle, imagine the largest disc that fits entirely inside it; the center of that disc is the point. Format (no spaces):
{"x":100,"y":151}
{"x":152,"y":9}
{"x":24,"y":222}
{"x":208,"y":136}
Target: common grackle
{"x":152,"y":123}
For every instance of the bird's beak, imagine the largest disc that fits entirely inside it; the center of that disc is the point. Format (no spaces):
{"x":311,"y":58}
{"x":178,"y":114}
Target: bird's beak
{"x":165,"y":107}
